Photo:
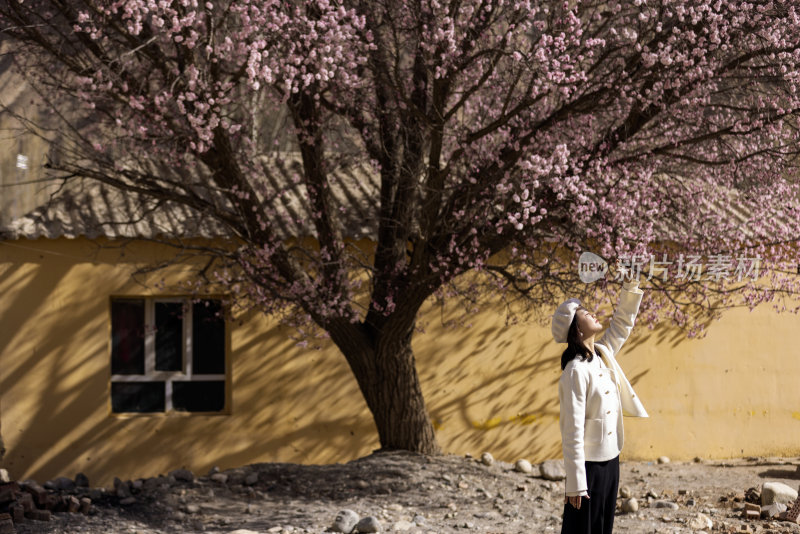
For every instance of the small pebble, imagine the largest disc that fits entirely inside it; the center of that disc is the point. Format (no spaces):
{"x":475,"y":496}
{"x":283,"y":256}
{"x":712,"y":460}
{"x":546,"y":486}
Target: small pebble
{"x":665,"y":504}
{"x":368,"y":524}
{"x":630,"y":506}
{"x":523,"y":466}
{"x":345,"y":521}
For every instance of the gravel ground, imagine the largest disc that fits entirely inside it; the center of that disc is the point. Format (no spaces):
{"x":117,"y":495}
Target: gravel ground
{"x":413,"y":493}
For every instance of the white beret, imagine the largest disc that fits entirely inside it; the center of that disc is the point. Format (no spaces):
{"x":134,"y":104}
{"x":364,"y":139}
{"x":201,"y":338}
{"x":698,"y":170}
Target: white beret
{"x":562,"y":318}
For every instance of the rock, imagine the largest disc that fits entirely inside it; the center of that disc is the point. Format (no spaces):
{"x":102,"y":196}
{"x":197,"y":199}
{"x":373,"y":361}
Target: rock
{"x":630,"y":506}
{"x":243,"y":531}
{"x":137,"y":485}
{"x":96,"y":494}
{"x":625,"y":492}
{"x":701,"y":522}
{"x":184,"y":475}
{"x":395,"y":507}
{"x":251,"y":479}
{"x":652,"y":493}
{"x":191,"y":509}
{"x":122,"y":489}
{"x":369,"y":524}
{"x":62,"y":484}
{"x":127,"y":501}
{"x":665,"y":504}
{"x":235,"y":476}
{"x":523,"y":466}
{"x":213,"y":471}
{"x":151,"y":484}
{"x":751,"y":514}
{"x":663,"y":460}
{"x":779,"y":492}
{"x":403,"y":526}
{"x":698,"y":460}
{"x":220,"y":478}
{"x":345,"y":521}
{"x":4,"y":477}
{"x":753,"y":495}
{"x":553,"y":470}
{"x":771,"y":510}
{"x":487,"y":458}
{"x":81,"y":480}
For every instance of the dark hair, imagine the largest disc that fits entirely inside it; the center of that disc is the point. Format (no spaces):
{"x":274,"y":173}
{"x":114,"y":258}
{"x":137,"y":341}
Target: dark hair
{"x":575,"y":346}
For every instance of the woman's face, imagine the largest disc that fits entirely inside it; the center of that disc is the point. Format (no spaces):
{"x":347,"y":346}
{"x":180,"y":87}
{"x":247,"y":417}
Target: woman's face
{"x":587,"y":322}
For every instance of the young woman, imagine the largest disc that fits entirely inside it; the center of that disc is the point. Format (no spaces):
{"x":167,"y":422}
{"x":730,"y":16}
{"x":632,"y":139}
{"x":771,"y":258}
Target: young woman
{"x":594,"y":395}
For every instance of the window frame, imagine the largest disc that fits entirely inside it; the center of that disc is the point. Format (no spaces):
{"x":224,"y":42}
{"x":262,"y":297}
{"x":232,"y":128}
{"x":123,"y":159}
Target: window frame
{"x":168,"y":377}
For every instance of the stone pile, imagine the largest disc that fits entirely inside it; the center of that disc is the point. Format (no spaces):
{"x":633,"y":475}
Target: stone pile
{"x":27,"y":500}
{"x":348,"y":522}
{"x":770,"y":502}
{"x":548,"y":470}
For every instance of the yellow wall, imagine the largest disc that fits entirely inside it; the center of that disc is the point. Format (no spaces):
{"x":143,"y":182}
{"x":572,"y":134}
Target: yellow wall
{"x":488,"y":387}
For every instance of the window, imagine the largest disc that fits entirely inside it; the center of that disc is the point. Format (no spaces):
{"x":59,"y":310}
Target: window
{"x":167,"y":354}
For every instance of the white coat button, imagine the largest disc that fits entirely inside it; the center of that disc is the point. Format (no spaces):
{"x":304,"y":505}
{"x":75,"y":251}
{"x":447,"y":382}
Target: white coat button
{"x":609,"y":433}
{"x":607,"y":392}
{"x":609,"y":411}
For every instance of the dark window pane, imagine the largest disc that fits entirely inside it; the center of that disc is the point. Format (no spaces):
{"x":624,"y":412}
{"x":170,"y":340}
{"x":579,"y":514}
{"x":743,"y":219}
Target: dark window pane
{"x":198,"y":396}
{"x":127,"y":336}
{"x":142,"y":397}
{"x":208,"y":338}
{"x":169,"y":336}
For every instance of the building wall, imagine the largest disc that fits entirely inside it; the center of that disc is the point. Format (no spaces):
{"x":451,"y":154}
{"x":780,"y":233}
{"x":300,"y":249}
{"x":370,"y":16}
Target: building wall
{"x":22,"y":153}
{"x":488,"y":387}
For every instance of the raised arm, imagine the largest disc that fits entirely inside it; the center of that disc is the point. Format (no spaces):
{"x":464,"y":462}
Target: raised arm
{"x":624,"y":317}
{"x":572,"y":399}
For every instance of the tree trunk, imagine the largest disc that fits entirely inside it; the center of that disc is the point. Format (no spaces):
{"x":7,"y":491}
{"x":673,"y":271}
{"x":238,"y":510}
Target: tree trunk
{"x":395,"y":398}
{"x":385,"y":369}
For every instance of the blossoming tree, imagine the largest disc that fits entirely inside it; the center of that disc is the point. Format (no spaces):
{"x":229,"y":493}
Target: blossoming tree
{"x":502,"y":132}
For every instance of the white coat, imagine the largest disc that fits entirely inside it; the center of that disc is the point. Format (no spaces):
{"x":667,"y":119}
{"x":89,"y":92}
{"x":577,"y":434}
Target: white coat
{"x":594,"y":398}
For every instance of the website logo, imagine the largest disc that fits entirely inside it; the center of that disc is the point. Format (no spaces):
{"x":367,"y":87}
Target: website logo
{"x":591,"y":267}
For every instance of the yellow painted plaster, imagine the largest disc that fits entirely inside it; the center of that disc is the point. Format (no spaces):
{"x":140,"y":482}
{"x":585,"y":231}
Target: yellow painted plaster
{"x":489,"y":387}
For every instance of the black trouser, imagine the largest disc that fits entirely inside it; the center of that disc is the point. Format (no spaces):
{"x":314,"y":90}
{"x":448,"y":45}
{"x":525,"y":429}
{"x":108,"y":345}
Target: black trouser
{"x":596,"y":515}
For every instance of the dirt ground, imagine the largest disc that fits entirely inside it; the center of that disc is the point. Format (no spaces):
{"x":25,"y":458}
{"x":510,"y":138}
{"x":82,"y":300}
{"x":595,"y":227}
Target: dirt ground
{"x":413,"y":493}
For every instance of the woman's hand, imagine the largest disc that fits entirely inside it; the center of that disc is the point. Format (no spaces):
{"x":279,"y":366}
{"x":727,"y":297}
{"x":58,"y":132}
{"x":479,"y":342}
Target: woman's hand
{"x":574,"y":501}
